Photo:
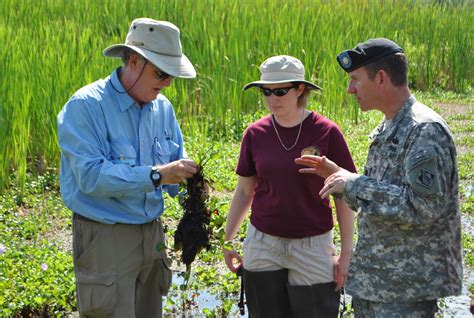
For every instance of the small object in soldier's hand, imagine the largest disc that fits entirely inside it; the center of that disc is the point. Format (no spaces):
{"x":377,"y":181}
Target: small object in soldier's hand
{"x":312,"y":151}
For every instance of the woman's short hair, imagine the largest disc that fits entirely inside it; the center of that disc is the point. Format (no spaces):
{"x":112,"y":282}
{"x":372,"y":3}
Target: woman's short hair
{"x":304,"y":97}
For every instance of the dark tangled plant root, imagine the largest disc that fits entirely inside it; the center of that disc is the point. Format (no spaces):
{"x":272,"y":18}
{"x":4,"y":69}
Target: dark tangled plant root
{"x":192,"y":234}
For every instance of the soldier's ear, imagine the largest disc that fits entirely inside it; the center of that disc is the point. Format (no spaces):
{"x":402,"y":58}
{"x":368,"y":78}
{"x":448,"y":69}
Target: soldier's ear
{"x":381,"y":77}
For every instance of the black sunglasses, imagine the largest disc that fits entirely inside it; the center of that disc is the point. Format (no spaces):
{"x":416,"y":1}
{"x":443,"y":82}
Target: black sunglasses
{"x":159,"y":73}
{"x":279,"y":91}
{"x":162,"y":75}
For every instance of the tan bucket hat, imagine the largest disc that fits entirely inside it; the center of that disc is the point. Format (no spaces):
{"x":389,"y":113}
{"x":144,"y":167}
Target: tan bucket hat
{"x":282,"y":69}
{"x":159,"y":43}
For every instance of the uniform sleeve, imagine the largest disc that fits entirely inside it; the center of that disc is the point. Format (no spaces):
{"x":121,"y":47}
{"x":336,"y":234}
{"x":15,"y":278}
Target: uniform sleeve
{"x":428,"y":169}
{"x":246,"y":164}
{"x":82,"y":136}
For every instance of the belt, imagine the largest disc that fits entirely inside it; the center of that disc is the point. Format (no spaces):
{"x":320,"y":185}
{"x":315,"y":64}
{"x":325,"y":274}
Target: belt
{"x":77,"y":216}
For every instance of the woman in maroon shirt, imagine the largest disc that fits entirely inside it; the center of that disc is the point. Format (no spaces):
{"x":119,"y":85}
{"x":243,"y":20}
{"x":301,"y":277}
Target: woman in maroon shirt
{"x":290,"y":267}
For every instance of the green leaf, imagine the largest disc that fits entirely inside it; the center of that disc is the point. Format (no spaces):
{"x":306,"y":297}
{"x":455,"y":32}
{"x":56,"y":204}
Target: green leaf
{"x":160,"y":246}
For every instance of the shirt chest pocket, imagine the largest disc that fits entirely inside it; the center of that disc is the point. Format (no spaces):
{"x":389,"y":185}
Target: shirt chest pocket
{"x":384,"y":167}
{"x":164,"y":151}
{"x":123,"y":153}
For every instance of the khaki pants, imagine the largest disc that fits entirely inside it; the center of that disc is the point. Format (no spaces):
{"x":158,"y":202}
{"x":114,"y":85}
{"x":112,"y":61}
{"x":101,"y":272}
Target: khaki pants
{"x":122,"y":270}
{"x":309,"y":260}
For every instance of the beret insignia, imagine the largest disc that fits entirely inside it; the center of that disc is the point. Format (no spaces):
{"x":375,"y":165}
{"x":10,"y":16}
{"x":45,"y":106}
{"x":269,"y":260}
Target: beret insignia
{"x":345,"y":60}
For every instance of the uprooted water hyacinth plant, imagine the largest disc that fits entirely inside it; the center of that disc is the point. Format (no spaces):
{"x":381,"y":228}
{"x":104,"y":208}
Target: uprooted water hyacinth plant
{"x":193,"y":232}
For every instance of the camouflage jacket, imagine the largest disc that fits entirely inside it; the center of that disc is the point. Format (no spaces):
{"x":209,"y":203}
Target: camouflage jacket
{"x":409,"y":229}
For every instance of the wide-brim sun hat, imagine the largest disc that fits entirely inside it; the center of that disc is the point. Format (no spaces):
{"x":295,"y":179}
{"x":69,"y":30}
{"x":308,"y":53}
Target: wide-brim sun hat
{"x":159,"y":43}
{"x":282,"y":69}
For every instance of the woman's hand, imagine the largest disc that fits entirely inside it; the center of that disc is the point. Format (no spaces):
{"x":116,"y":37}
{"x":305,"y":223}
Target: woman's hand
{"x":232,"y":259}
{"x":341,"y":270}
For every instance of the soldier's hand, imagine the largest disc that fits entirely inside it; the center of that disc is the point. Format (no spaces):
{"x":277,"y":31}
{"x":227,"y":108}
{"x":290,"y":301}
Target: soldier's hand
{"x":177,"y":171}
{"x":335,"y":183}
{"x":321,"y":166}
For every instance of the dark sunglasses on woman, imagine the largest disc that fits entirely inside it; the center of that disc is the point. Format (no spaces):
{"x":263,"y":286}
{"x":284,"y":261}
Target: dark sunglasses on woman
{"x":279,"y":91}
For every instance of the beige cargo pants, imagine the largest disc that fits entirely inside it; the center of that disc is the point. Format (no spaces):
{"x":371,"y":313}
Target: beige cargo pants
{"x":309,"y":260}
{"x":122,"y":270}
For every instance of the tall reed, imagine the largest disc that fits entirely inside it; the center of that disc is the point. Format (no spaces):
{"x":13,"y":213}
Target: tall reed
{"x":51,"y":48}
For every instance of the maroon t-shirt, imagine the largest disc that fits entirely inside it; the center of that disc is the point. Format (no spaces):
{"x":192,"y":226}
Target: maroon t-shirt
{"x":286,"y":203}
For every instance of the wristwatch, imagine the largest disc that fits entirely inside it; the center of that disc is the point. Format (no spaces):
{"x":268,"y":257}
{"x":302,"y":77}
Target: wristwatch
{"x":155,"y":176}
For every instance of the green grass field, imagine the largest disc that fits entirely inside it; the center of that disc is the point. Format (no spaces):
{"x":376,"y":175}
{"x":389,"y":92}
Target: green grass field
{"x":51,"y":48}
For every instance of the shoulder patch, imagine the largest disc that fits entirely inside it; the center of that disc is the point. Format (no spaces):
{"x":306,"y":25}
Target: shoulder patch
{"x":422,"y":172}
{"x":425,"y":178}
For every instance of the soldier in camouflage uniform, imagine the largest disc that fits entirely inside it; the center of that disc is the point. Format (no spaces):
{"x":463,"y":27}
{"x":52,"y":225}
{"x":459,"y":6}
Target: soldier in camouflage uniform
{"x":408,"y":252}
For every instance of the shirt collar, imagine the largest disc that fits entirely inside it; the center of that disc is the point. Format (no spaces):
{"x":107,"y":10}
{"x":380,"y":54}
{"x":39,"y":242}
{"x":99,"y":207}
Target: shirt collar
{"x":124,"y":100}
{"x":385,"y":134}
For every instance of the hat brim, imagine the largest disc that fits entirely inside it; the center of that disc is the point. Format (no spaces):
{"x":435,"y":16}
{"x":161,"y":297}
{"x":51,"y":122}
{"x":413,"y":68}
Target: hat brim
{"x":176,"y":66}
{"x":260,"y":83}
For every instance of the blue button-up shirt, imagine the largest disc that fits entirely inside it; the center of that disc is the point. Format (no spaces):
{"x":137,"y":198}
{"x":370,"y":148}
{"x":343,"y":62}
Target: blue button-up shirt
{"x":109,"y":144}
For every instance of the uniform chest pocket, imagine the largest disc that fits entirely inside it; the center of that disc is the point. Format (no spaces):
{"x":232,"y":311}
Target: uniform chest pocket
{"x":163,"y":150}
{"x":123,"y":153}
{"x":384,"y":170}
{"x":387,"y":170}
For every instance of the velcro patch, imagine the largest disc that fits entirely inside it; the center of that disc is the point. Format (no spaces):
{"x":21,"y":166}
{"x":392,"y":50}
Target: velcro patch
{"x":425,"y":178}
{"x":423,"y":174}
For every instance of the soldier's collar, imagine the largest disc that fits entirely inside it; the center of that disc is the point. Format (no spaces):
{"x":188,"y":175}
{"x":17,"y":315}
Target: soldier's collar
{"x":385,"y":134}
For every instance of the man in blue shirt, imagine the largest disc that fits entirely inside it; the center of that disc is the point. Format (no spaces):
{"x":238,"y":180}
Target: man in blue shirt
{"x":121,"y":147}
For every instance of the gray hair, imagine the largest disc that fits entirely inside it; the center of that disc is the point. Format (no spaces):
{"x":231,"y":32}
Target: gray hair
{"x":127,"y":53}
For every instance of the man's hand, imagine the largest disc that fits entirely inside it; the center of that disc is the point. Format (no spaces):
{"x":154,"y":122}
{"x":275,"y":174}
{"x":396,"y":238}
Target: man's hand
{"x":335,"y":183}
{"x":177,"y":171}
{"x":321,"y":166}
{"x":232,"y":259}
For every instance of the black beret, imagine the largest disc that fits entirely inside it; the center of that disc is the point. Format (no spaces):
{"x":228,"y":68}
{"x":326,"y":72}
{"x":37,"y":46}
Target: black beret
{"x":367,"y":52}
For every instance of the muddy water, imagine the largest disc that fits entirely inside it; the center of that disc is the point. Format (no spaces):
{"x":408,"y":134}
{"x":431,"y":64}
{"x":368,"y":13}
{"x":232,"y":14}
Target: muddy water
{"x":456,"y":307}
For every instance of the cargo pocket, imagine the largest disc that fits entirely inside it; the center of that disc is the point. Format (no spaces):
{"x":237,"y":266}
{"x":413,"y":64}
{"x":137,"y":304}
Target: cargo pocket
{"x":163,"y":150}
{"x":96,"y":294}
{"x":165,"y":275}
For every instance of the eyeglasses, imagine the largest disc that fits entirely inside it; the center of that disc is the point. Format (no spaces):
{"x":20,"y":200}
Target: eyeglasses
{"x":162,"y":75}
{"x":159,"y":73}
{"x":279,"y":91}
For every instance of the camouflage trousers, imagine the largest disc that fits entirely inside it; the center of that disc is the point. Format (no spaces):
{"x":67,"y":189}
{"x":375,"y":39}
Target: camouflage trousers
{"x":370,"y":309}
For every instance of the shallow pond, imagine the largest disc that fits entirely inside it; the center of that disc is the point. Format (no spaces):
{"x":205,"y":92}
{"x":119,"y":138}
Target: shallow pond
{"x":456,"y":307}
